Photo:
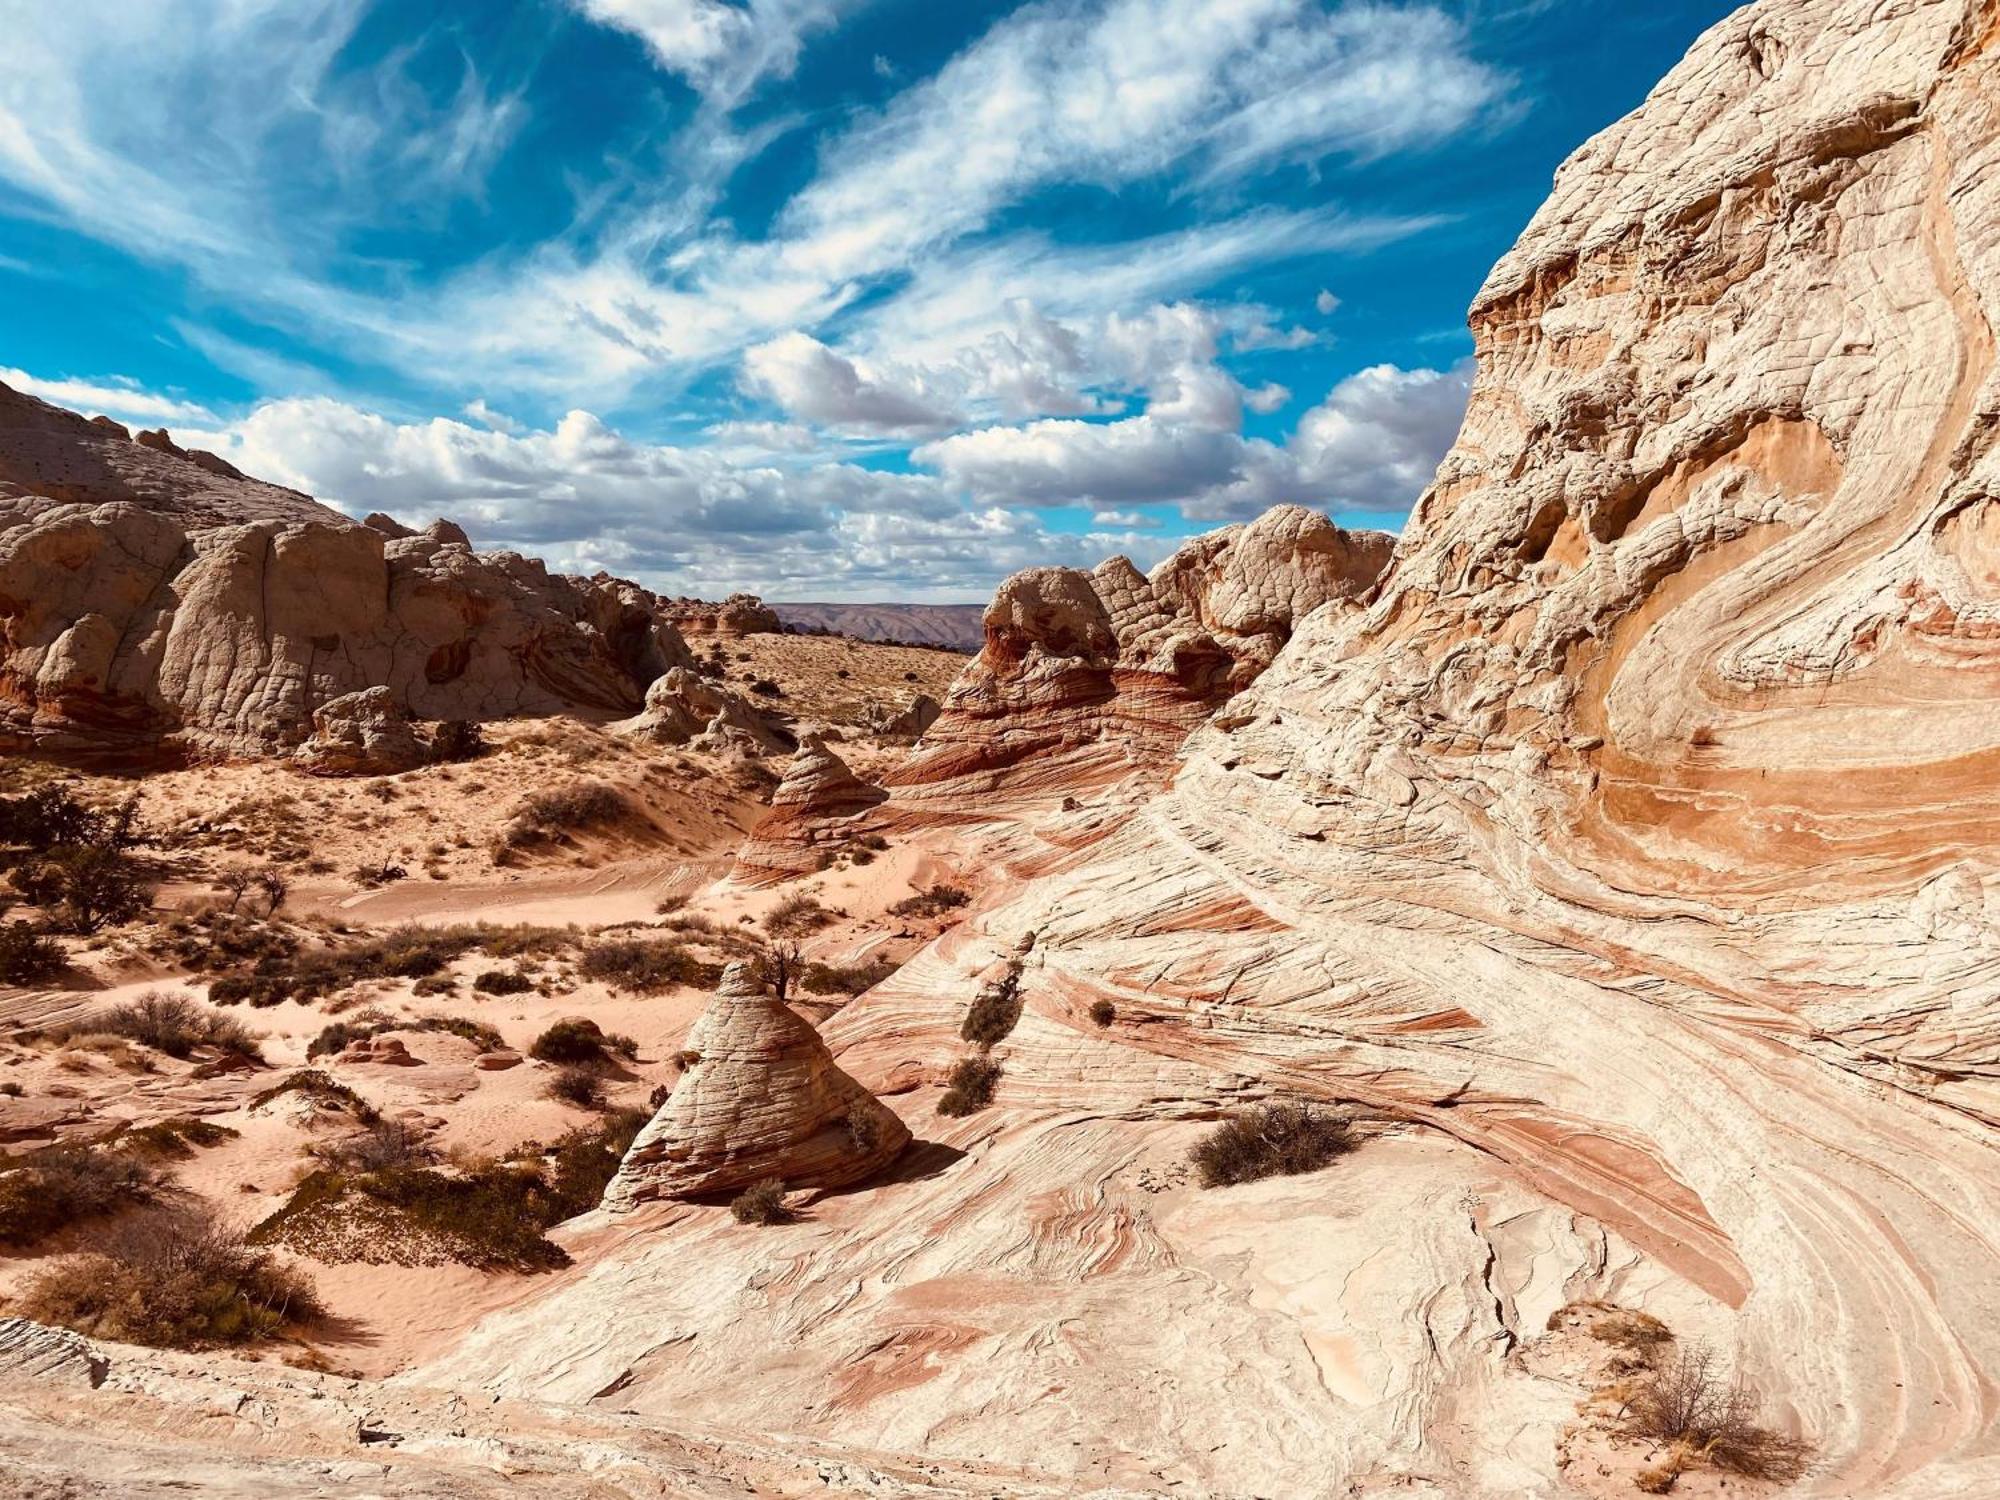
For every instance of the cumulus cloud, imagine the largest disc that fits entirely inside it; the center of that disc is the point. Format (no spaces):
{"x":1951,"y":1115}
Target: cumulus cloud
{"x":810,"y":380}
{"x":1373,"y":444}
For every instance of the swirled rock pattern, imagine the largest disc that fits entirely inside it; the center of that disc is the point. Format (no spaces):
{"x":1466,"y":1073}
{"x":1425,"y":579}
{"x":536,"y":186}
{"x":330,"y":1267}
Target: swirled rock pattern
{"x":1085,"y":676}
{"x":151,"y":605}
{"x":761,"y":1098}
{"x":813,"y":810}
{"x":1635,"y":837}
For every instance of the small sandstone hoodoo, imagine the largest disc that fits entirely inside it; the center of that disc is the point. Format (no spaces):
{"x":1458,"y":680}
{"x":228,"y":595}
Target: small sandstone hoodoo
{"x":762,"y":1097}
{"x":819,"y":793}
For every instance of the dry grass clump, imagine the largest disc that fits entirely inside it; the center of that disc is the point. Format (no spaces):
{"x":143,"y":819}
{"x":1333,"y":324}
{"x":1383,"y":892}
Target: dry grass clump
{"x":325,"y":1091}
{"x":337,"y":1036}
{"x":213,"y":940}
{"x":798,"y":915}
{"x":645,"y":967}
{"x":1275,"y":1140}
{"x":969,"y":1086}
{"x":1707,"y":1419}
{"x":51,"y":1189}
{"x":173,"y":1282}
{"x":384,"y":1145}
{"x":762,"y":1203}
{"x":490,"y":1215}
{"x":175,"y":1139}
{"x":178,"y":1026}
{"x":934,"y":902}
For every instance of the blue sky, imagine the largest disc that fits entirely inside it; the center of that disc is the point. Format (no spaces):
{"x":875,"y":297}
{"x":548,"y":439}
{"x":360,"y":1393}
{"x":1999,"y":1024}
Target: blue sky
{"x":837,"y":299}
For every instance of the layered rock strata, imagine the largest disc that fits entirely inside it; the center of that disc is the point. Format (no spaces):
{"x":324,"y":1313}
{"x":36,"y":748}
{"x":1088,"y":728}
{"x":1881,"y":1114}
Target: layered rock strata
{"x":761,"y":1098}
{"x":819,"y":805}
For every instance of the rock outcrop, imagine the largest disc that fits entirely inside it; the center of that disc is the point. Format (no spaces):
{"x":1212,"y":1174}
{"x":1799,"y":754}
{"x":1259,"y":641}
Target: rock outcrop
{"x":812,"y":812}
{"x":909,"y":722}
{"x":150,"y":606}
{"x":761,"y":1098}
{"x":738,"y":615}
{"x":362,"y":734}
{"x":1086,"y":677}
{"x":685,"y":708}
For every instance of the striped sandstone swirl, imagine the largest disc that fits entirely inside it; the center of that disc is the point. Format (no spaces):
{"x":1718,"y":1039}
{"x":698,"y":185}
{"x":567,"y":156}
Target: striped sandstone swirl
{"x":1630,"y":851}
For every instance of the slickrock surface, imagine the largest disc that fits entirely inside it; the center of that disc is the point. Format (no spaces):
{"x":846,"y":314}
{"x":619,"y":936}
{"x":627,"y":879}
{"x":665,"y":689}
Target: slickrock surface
{"x":150,"y":605}
{"x":761,"y":1097}
{"x":1086,"y":675}
{"x":1630,"y":854}
{"x":813,"y":810}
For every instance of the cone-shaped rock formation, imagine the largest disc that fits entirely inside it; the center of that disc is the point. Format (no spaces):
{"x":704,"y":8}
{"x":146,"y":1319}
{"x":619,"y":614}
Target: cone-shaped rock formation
{"x":762,"y":1097}
{"x":818,"y":794}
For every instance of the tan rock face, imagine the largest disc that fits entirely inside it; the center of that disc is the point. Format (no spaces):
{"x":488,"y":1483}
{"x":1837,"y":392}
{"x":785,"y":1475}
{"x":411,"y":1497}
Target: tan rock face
{"x":362,"y":734}
{"x":813,"y":808}
{"x":1086,"y":675}
{"x":761,"y":1097}
{"x":685,"y":708}
{"x":738,"y":615}
{"x":149,"y":604}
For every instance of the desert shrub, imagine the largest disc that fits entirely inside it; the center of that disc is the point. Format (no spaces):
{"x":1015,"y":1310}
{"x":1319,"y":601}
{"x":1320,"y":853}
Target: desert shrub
{"x":86,"y":887}
{"x":503,"y":982}
{"x":767,"y":688}
{"x":574,"y":1039}
{"x":796,"y":916}
{"x":1642,"y":1333}
{"x":177,"y":1026}
{"x":645,"y":967}
{"x":1103,"y":1012}
{"x":564,"y":809}
{"x":850,"y":979}
{"x":864,"y":1127}
{"x":994,"y":1011}
{"x":174,"y":1282}
{"x":325,"y":1091}
{"x":47,"y":818}
{"x":50,"y":1189}
{"x":456,"y":740}
{"x":11,"y":1090}
{"x":522,"y":940}
{"x":934,"y":902}
{"x":1276,"y":1140}
{"x":384,"y":1145}
{"x":370,"y":875}
{"x":969,"y":1086}
{"x":26,"y":957}
{"x":216,"y":939}
{"x":1706,"y":1418}
{"x":578,"y":1084}
{"x":176,"y":1138}
{"x":435,"y":984}
{"x":762,"y":1203}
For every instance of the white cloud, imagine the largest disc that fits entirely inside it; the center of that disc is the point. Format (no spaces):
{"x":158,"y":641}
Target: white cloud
{"x":486,"y":416}
{"x":584,"y":497}
{"x":720,"y":48}
{"x":1373,"y":444}
{"x":111,"y":396}
{"x":1326,"y":303}
{"x":812,"y":381}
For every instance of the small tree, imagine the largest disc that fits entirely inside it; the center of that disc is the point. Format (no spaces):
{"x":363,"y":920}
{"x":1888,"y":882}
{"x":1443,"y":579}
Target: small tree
{"x":235,"y":882}
{"x":274,"y":887}
{"x":784,"y":962}
{"x":1708,"y":1419}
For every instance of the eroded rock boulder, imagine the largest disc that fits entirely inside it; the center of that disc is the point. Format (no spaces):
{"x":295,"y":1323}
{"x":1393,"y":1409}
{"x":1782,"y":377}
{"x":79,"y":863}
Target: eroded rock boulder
{"x":685,"y":708}
{"x":761,"y":1098}
{"x":362,"y":734}
{"x":1086,"y":676}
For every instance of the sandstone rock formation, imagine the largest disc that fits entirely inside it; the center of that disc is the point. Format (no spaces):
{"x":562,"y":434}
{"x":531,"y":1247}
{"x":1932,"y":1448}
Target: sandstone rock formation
{"x":908,"y":722}
{"x":1085,"y":676}
{"x":813,"y":810}
{"x":761,"y":1098}
{"x":1628,"y":856}
{"x":738,"y":615}
{"x":151,"y":606}
{"x":685,"y":708}
{"x":362,"y":734}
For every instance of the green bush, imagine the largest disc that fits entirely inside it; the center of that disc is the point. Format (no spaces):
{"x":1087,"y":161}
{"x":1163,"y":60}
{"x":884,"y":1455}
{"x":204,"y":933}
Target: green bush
{"x":646,"y":967}
{"x":26,"y":957}
{"x":994,"y":1011}
{"x":1276,"y":1140}
{"x":852,"y":979}
{"x":934,"y":902}
{"x":503,"y":982}
{"x":577,"y":1084}
{"x":574,"y":1039}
